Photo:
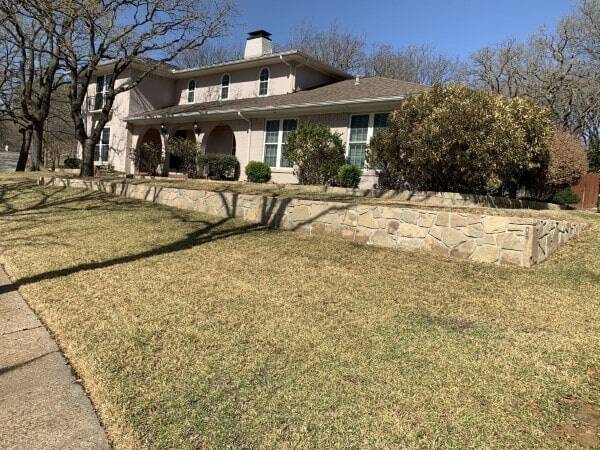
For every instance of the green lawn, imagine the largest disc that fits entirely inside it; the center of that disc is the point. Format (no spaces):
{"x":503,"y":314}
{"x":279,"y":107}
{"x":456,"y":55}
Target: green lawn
{"x":194,"y":332}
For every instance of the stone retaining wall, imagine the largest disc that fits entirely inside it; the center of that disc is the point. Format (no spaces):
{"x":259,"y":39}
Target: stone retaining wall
{"x":477,"y":237}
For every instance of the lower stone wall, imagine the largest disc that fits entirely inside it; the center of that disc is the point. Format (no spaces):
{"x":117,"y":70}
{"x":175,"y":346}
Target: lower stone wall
{"x":477,"y":237}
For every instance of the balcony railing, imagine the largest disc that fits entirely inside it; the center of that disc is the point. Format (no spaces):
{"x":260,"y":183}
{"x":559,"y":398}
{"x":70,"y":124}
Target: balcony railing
{"x":96,"y":103}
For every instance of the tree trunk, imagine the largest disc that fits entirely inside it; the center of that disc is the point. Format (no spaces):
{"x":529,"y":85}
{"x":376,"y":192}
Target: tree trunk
{"x":38,"y":148}
{"x":24,"y":151}
{"x":87,"y":159}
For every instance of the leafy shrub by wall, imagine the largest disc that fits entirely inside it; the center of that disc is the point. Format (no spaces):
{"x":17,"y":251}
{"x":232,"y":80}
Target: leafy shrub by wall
{"x":348,"y":176}
{"x":147,"y":158}
{"x":568,"y":160}
{"x":219,"y":167}
{"x":258,"y":172}
{"x":566,"y":197}
{"x":316,"y":154}
{"x":72,"y":163}
{"x":457,"y":139}
{"x":187,"y":152}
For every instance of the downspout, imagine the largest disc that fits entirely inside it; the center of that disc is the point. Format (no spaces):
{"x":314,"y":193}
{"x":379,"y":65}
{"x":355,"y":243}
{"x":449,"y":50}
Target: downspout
{"x":292,"y":74}
{"x":241,"y":116}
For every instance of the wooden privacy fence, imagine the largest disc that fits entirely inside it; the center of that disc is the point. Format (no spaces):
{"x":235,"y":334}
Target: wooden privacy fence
{"x":588,"y":189}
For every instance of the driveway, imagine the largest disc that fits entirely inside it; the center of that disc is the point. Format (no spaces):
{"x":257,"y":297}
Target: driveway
{"x":8,"y":161}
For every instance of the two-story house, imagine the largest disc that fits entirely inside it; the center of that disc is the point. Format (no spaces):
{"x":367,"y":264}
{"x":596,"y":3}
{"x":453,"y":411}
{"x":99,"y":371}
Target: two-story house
{"x":246,"y":107}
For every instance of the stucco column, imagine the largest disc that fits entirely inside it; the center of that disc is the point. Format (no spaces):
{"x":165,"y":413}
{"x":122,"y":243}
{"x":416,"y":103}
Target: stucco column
{"x":164,"y":137}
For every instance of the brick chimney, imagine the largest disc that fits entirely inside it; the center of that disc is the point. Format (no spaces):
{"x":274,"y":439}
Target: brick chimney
{"x":258,"y":44}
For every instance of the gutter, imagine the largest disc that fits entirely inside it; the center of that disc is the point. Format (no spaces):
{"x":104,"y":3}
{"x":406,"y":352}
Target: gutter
{"x":276,"y":108}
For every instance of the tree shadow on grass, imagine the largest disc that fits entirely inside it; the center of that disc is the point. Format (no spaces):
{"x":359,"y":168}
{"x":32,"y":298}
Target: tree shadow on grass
{"x":272,"y":214}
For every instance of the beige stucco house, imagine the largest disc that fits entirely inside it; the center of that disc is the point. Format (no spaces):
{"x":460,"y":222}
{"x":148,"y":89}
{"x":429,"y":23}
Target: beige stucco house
{"x":245,"y":107}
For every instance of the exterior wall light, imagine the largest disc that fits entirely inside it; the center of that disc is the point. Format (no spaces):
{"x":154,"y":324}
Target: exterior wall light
{"x":163,"y":129}
{"x":197,"y":128}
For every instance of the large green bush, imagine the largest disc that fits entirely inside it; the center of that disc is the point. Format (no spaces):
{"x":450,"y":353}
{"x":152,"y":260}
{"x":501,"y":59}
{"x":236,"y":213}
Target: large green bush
{"x":219,"y":167}
{"x":348,"y":176}
{"x":187,"y":152}
{"x":316,"y":154}
{"x":258,"y":172}
{"x":457,"y":139}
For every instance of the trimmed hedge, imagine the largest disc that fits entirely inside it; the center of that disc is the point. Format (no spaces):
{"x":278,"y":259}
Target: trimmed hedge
{"x":219,"y":167}
{"x":348,"y":176}
{"x":72,"y":163}
{"x":258,"y":172}
{"x":566,"y":197}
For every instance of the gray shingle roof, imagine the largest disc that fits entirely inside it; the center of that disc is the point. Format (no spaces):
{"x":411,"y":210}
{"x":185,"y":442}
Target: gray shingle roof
{"x":372,"y":88}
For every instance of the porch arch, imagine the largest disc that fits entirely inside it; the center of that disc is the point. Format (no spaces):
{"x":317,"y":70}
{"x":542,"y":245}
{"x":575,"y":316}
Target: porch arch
{"x":220,"y":140}
{"x":151,"y":136}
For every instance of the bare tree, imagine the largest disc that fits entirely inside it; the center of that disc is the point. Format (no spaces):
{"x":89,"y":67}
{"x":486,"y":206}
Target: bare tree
{"x":419,"y":64}
{"x":11,"y":114}
{"x":554,"y":68}
{"x":141,"y":34}
{"x":341,"y":49}
{"x":588,"y":14}
{"x":210,"y":53}
{"x":35,"y":36}
{"x":500,"y":69}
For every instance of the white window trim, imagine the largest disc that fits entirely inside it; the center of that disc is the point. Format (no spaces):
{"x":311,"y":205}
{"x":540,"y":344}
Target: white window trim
{"x":188,"y":91}
{"x":278,"y":167}
{"x":268,"y":82}
{"x":101,"y":162}
{"x":370,"y":131}
{"x":228,"y":87}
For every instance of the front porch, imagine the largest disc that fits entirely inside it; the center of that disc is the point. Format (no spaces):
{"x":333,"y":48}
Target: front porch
{"x":211,"y":138}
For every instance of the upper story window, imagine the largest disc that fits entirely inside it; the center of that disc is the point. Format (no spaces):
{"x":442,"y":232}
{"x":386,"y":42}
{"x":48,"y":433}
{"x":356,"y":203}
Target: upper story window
{"x":103,"y":83}
{"x":191,"y":96}
{"x":362,"y":128}
{"x":263,"y":82}
{"x":225,"y":87}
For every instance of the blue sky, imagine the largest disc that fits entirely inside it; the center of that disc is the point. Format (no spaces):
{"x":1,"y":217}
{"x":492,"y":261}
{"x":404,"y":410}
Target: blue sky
{"x":454,"y":27}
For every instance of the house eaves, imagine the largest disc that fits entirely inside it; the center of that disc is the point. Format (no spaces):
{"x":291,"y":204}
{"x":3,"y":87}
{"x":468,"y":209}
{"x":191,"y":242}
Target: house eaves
{"x":354,"y":105}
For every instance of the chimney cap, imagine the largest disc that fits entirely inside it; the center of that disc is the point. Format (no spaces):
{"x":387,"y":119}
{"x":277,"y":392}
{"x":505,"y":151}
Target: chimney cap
{"x":259,"y":34}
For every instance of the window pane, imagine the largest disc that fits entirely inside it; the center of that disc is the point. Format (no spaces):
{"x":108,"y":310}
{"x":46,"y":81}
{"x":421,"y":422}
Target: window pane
{"x":99,"y":84}
{"x":380,"y":121}
{"x":225,"y":80}
{"x":272,"y":131}
{"x":284,"y":160}
{"x":359,"y":128}
{"x":97,"y":153}
{"x":264,"y":75}
{"x":224,"y":92}
{"x":107,"y":81}
{"x":191,"y":91}
{"x":104,"y":153}
{"x":105,"y":136}
{"x":99,"y":101}
{"x":288,"y":127}
{"x":264,"y":88}
{"x":271,"y":155}
{"x":356,"y":154}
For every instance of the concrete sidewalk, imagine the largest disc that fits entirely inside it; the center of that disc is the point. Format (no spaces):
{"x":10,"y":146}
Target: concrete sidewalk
{"x":41,"y":405}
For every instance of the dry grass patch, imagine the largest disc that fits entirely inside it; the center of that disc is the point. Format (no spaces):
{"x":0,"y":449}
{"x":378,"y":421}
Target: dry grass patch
{"x":193,"y":332}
